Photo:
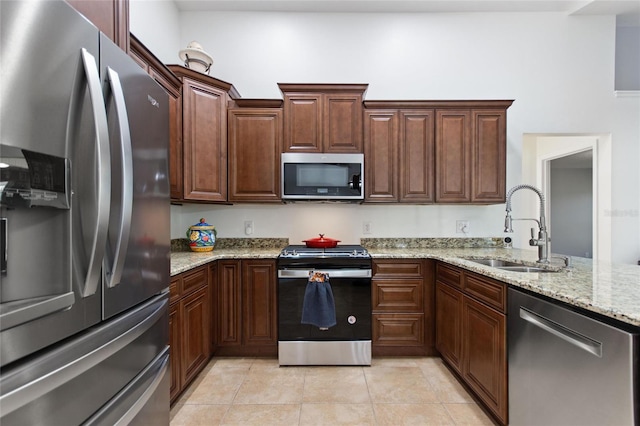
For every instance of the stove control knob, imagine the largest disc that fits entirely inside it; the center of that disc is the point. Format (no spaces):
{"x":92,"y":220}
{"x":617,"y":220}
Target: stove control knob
{"x":351,"y":319}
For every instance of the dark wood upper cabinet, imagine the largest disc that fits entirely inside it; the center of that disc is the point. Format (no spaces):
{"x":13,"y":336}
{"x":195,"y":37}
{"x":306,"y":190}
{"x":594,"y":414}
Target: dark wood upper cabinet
{"x":255,"y":145}
{"x":471,"y":152}
{"x":416,"y":156}
{"x":399,"y":152}
{"x":323,"y":117}
{"x":381,"y":156}
{"x":453,"y":156}
{"x":489,"y":156}
{"x":204,"y":135}
{"x":110,"y":16}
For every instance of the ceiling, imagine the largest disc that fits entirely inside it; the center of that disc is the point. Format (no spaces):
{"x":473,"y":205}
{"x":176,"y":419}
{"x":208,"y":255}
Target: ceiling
{"x":627,"y":11}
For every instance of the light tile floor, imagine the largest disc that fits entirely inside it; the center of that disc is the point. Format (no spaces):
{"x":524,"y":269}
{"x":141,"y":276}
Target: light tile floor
{"x":392,"y":391}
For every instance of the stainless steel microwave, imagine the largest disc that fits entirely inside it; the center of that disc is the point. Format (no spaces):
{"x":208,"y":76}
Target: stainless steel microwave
{"x":313,"y":176}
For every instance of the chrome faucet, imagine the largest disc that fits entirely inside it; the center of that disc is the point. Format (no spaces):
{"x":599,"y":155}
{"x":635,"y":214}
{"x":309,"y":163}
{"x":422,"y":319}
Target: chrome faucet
{"x":542,"y":242}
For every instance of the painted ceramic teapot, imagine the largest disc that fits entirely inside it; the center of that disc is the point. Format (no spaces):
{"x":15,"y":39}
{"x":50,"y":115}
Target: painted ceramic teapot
{"x":202,"y":236}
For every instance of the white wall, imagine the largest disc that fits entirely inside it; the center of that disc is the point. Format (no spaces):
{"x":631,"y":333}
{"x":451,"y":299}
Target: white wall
{"x":558,"y":69}
{"x":156,"y":23}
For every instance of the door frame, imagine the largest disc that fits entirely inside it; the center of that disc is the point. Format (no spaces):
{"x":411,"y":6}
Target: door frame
{"x":538,"y":149}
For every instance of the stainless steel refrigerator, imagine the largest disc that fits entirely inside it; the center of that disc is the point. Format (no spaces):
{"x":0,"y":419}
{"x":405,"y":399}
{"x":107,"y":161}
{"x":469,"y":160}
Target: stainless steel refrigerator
{"x":84,"y":225}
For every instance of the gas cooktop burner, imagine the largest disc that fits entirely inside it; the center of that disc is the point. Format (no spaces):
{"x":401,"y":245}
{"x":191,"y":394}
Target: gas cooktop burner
{"x":298,"y":251}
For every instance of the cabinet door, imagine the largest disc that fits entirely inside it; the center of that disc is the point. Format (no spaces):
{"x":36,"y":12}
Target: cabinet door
{"x":449,"y":324}
{"x":416,"y":151}
{"x":175,"y":147}
{"x":213,"y":314}
{"x":484,"y":353}
{"x":453,"y":156}
{"x":110,"y":16}
{"x":303,"y":123}
{"x":204,"y":135}
{"x":381,"y":158}
{"x":255,"y":144}
{"x":489,"y":160}
{"x":342,"y":123}
{"x":229,"y":303}
{"x":175,"y":352}
{"x":259,"y":302}
{"x":195,"y":333}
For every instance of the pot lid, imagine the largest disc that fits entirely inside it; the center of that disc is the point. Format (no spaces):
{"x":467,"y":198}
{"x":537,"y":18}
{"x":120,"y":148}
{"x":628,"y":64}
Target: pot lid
{"x":321,"y":239}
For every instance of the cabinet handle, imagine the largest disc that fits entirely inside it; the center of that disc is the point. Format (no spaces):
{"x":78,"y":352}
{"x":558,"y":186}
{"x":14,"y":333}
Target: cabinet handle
{"x":566,"y":334}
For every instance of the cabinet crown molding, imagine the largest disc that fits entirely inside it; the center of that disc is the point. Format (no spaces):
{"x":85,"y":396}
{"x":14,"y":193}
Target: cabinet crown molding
{"x":440,"y":104}
{"x":322,"y":88}
{"x":182,"y":72}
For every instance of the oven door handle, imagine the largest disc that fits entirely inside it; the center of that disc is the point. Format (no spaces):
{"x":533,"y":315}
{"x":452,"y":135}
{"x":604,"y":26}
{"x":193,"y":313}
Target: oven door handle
{"x":333,"y":273}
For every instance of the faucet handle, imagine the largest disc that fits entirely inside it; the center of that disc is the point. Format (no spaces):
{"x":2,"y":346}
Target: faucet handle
{"x":534,"y":241}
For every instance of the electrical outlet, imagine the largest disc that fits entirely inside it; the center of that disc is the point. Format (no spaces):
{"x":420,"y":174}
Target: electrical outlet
{"x":248,"y":227}
{"x":462,"y":226}
{"x":366,"y":227}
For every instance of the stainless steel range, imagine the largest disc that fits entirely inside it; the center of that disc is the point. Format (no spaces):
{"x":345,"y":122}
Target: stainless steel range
{"x":347,"y":271}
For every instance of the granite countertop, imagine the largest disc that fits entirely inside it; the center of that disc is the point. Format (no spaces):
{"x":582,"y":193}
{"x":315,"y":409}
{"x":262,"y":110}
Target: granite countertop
{"x":612,"y":290}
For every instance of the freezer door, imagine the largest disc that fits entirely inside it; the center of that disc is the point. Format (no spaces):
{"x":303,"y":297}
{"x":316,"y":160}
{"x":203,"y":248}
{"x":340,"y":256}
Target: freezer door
{"x":114,"y":361}
{"x":53,"y":130}
{"x":137,"y":258}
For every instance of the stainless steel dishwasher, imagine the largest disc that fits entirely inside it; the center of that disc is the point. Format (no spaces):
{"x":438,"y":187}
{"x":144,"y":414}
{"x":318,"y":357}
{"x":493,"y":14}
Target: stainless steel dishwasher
{"x":568,"y":369}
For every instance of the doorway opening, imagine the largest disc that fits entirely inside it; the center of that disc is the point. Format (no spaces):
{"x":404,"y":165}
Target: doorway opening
{"x":571,"y":204}
{"x":538,"y":153}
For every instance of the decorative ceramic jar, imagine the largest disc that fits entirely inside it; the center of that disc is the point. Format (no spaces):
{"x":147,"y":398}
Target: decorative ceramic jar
{"x":202,"y":236}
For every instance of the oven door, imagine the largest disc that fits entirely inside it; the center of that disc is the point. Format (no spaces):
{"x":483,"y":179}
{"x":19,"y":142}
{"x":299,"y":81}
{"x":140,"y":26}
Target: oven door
{"x":352,"y":294}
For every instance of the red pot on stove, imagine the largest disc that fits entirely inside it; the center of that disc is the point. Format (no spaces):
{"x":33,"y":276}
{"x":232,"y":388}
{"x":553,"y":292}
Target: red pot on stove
{"x":321,"y":242}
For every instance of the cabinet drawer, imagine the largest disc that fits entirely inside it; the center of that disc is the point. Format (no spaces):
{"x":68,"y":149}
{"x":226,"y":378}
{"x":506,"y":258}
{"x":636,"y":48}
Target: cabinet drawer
{"x":398,"y":295}
{"x":398,"y":329}
{"x":449,"y":275}
{"x":491,"y":292}
{"x":175,"y":289}
{"x":193,"y":280}
{"x":398,"y":268}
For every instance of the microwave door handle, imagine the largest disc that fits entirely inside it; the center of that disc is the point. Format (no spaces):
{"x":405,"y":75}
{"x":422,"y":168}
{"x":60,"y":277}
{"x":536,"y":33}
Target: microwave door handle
{"x":126,"y":179}
{"x":103,"y":187}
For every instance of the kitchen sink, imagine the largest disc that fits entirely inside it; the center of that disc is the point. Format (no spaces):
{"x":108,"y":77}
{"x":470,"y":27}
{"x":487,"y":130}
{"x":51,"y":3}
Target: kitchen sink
{"x":495,"y":263}
{"x":522,"y":268}
{"x":510,"y":266}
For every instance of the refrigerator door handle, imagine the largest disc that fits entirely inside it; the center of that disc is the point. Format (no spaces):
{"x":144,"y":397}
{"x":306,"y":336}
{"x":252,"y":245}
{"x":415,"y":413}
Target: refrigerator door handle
{"x":103,"y":190}
{"x":114,"y":274}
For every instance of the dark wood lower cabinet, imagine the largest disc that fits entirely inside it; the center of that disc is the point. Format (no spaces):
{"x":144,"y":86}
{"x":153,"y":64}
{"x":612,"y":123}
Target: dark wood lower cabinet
{"x":402,"y":307}
{"x":247,"y":308}
{"x":195,"y":333}
{"x":449,"y":324}
{"x":471,"y":334}
{"x":484,"y":367}
{"x":175,"y":352}
{"x":189,"y":332}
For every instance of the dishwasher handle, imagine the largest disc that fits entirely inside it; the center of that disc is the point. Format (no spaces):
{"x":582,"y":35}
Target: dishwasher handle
{"x":592,"y":346}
